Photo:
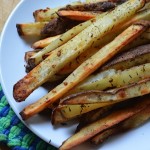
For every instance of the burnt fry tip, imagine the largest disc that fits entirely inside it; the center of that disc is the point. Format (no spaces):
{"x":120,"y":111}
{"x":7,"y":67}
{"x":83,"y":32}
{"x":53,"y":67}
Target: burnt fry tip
{"x":19,"y":30}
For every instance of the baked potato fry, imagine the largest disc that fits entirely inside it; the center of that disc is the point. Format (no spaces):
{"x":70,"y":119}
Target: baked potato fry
{"x":97,"y":6}
{"x":84,"y":70}
{"x":64,"y":38}
{"x":44,"y":42}
{"x":134,"y":57}
{"x":63,"y":113}
{"x":77,"y":15}
{"x":99,"y":126}
{"x":141,"y":40}
{"x":111,"y":96}
{"x":30,"y":29}
{"x":114,"y":79}
{"x":76,"y":105}
{"x":126,"y":125}
{"x":73,"y":48}
{"x":143,"y":15}
{"x":43,"y":15}
{"x":48,"y":14}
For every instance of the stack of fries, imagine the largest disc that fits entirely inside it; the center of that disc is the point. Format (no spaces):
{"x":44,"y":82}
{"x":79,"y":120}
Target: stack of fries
{"x":99,"y":51}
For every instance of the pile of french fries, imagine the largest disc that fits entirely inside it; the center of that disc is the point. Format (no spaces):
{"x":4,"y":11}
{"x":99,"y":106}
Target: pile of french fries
{"x":102,"y":63}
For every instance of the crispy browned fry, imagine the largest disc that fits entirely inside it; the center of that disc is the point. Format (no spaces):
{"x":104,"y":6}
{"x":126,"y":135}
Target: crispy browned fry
{"x":124,"y":63}
{"x":29,"y":54}
{"x":85,"y":69}
{"x":58,"y":26}
{"x":76,"y":15}
{"x":111,"y":96}
{"x":99,"y":6}
{"x":45,"y":14}
{"x":49,"y":13}
{"x":133,"y":57}
{"x":76,"y":105}
{"x":44,"y":42}
{"x":142,"y":15}
{"x":126,"y":125}
{"x":77,"y":45}
{"x":30,"y":29}
{"x":99,"y":126}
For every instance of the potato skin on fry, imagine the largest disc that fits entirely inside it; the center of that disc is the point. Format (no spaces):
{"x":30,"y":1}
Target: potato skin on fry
{"x":132,"y":122}
{"x":131,"y":56}
{"x":119,"y":94}
{"x":99,"y":126}
{"x":43,"y":72}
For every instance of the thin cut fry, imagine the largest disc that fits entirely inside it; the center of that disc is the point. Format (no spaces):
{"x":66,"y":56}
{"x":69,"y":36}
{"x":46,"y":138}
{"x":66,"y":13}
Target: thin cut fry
{"x":85,"y":69}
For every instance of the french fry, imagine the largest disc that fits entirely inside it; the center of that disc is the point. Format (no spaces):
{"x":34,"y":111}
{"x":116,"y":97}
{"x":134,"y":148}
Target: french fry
{"x":141,"y":40}
{"x":77,"y":45}
{"x":126,"y":125}
{"x":30,"y":29}
{"x":143,"y":15}
{"x":136,"y":56}
{"x":76,"y":15}
{"x":85,"y":69}
{"x":58,"y":26}
{"x":45,"y":42}
{"x":48,"y":14}
{"x":98,"y":6}
{"x":107,"y":97}
{"x":36,"y":59}
{"x":76,"y":105}
{"x":43,"y":15}
{"x":114,"y":79}
{"x":103,"y":124}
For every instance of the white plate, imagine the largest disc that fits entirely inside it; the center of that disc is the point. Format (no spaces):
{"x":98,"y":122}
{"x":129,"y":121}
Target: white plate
{"x":12,"y":69}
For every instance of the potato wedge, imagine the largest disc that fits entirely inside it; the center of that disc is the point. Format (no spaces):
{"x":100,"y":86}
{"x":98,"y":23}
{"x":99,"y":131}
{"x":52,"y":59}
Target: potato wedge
{"x":134,"y":57}
{"x":111,"y":96}
{"x":103,"y":124}
{"x":78,"y":104}
{"x":69,"y":51}
{"x":30,"y":29}
{"x":82,"y":71}
{"x":133,"y":122}
{"x":114,"y":79}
